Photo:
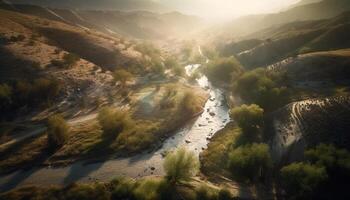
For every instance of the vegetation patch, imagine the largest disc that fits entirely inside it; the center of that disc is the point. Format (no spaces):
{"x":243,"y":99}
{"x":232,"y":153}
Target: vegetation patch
{"x":214,"y":158}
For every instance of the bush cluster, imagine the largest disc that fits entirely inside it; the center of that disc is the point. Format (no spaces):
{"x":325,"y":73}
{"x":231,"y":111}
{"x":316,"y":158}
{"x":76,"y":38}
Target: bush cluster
{"x":259,"y":87}
{"x":113,"y":121}
{"x":57,"y":131}
{"x":180,"y":165}
{"x":223,"y":70}
{"x":323,"y":175}
{"x":69,"y":60}
{"x":191,"y":103}
{"x":250,"y":162}
{"x":250,"y":118}
{"x":33,"y":93}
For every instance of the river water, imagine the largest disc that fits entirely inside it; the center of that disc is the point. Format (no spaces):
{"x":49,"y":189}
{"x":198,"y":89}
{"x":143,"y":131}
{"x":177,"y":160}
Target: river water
{"x":194,"y":137}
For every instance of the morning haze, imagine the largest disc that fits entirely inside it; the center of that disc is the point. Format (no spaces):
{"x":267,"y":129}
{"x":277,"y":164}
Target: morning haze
{"x":174,"y":99}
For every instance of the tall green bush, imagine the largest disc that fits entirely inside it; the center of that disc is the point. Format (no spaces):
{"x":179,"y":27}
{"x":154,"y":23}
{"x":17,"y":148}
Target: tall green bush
{"x":57,"y":130}
{"x":180,"y":165}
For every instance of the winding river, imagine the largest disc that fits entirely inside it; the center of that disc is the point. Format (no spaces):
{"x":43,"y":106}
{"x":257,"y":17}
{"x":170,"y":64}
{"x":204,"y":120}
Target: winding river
{"x":194,"y":136}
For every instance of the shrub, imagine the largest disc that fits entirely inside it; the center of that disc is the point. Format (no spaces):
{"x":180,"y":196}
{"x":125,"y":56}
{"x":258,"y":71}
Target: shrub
{"x":225,"y":194}
{"x":206,"y":193}
{"x":70,"y":59}
{"x":17,"y":38}
{"x":178,"y":70}
{"x":301,"y":180}
{"x":86,"y":192}
{"x":5,"y":95}
{"x":147,"y":49}
{"x":44,"y":89}
{"x":249,"y":118}
{"x":191,"y":103}
{"x":249,"y":162}
{"x":37,"y":92}
{"x":113,"y":121}
{"x":122,"y":188}
{"x":57,"y":130}
{"x":157,"y":67}
{"x":180,"y":165}
{"x":122,"y":76}
{"x":223,"y":70}
{"x":170,"y":63}
{"x":149,"y":189}
{"x":57,"y":63}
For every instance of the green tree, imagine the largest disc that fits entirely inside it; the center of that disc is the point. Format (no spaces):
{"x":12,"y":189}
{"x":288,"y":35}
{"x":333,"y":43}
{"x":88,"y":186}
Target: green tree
{"x":250,"y":118}
{"x":249,"y":162}
{"x":302,"y":180}
{"x":113,"y":121}
{"x":122,"y":76}
{"x":337,"y":164}
{"x":180,"y":165}
{"x":223,"y":69}
{"x":260,"y":87}
{"x":334,"y":159}
{"x":57,"y":130}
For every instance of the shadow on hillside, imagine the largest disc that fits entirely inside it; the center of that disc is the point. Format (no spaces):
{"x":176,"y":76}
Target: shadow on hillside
{"x":84,"y":47}
{"x":15,"y":68}
{"x":28,"y":168}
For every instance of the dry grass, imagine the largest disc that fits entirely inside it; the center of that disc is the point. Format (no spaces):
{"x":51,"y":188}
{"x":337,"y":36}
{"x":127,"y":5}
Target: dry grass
{"x":24,"y":154}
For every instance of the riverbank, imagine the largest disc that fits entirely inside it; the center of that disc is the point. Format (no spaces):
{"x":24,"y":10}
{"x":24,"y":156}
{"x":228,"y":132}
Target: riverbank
{"x":194,"y":136}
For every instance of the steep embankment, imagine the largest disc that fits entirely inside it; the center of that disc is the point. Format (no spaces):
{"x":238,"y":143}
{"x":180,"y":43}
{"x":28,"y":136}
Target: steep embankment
{"x":307,"y":123}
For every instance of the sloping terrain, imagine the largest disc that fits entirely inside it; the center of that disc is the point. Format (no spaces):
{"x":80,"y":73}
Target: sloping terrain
{"x":100,"y":5}
{"x":279,"y":42}
{"x":304,"y":124}
{"x":52,"y":67}
{"x":134,"y":24}
{"x":309,"y":11}
{"x":319,"y":67}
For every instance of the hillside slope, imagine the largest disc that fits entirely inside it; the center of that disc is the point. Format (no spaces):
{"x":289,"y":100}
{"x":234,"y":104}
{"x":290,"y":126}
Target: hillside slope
{"x":308,"y":11}
{"x":99,"y":5}
{"x":316,"y":67}
{"x":279,"y":42}
{"x":132,"y":24}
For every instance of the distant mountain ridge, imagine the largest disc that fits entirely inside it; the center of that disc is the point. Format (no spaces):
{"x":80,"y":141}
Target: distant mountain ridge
{"x":306,"y":10}
{"x":132,"y":24}
{"x":276,"y":43}
{"x":124,"y":5}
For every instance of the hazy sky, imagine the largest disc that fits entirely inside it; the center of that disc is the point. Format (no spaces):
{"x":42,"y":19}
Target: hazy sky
{"x":227,"y":8}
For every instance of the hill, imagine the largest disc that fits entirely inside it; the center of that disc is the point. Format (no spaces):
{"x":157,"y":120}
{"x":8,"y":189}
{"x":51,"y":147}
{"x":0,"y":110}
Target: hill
{"x":125,"y":5}
{"x":316,"y":68}
{"x":132,"y":24}
{"x":276,"y":43}
{"x":301,"y":12}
